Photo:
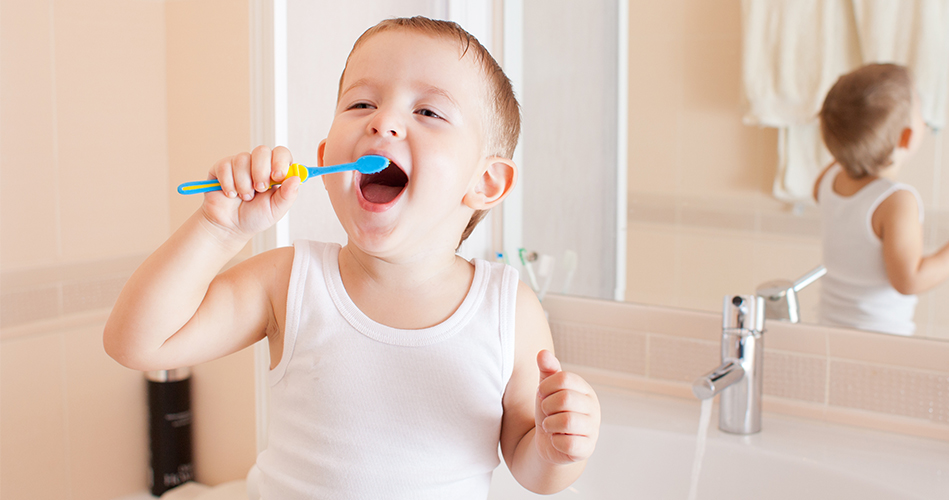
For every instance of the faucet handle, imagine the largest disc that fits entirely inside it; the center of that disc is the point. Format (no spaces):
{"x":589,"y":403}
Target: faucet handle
{"x":811,"y":276}
{"x":743,"y":312}
{"x":780,"y":300}
{"x":781,"y":295}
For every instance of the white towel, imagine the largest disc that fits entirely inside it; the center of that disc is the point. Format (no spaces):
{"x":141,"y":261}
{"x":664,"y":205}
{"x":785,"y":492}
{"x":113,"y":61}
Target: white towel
{"x":794,"y":51}
{"x":914,"y":33}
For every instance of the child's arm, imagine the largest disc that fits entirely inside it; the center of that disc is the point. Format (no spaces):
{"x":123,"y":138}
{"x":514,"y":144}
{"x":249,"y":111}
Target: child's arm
{"x":547,"y":432}
{"x":175,"y":310}
{"x":896,"y":222}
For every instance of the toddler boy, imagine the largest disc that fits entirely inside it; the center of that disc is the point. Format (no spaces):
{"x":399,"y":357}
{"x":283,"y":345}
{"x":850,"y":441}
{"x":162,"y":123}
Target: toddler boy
{"x":872,"y":225}
{"x":397,"y":367}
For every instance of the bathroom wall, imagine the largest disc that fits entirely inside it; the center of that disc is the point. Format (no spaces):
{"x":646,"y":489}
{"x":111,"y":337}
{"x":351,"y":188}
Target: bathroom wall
{"x":208,"y":78}
{"x":106,"y":104}
{"x":700,"y":178}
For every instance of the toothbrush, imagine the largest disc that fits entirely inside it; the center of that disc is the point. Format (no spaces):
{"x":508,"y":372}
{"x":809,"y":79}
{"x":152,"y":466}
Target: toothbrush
{"x":545,"y":269}
{"x":368,"y":164}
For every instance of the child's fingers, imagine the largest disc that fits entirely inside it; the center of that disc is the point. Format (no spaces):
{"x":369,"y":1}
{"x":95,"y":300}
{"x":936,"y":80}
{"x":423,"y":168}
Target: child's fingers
{"x":280,"y":163}
{"x":243,"y":183}
{"x":223,"y":172}
{"x":576,"y":447}
{"x":283,"y":198}
{"x":576,"y":424}
{"x":569,"y":401}
{"x":260,"y":168}
{"x":561,"y":381}
{"x":547,"y":363}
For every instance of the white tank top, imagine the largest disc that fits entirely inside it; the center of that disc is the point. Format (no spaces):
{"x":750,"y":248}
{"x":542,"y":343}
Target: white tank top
{"x":359,"y":410}
{"x":856,"y":291}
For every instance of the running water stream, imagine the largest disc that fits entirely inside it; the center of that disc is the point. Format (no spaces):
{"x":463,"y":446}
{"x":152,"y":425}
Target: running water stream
{"x":704,"y":421}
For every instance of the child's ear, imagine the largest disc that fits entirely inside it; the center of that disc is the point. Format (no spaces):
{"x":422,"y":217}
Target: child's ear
{"x":320,"y":150}
{"x":319,"y":153}
{"x":906,"y":138}
{"x":496,"y":182}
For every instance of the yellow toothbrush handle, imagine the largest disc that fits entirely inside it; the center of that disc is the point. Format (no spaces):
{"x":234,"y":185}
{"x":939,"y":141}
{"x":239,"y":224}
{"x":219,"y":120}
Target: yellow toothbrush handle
{"x":196,"y":187}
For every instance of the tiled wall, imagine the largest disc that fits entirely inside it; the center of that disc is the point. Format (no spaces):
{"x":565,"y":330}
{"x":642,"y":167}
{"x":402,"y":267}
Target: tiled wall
{"x":107,"y":104}
{"x":56,"y":292}
{"x":846,"y":376}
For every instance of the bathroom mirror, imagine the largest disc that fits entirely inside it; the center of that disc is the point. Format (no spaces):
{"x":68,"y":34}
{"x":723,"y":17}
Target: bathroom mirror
{"x":702,"y":220}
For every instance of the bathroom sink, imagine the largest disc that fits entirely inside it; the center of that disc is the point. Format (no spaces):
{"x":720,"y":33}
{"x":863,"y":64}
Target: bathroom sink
{"x":647,"y":444}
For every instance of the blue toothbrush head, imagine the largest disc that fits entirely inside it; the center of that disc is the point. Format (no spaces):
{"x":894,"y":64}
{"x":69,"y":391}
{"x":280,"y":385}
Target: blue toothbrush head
{"x":371,"y":164}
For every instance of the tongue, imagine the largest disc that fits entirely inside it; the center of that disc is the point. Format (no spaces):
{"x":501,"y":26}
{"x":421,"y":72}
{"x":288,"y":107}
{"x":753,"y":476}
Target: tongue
{"x":379,"y":193}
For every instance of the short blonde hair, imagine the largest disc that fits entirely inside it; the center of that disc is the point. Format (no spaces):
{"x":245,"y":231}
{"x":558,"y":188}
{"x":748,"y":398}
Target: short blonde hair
{"x":503,"y":119}
{"x":864,"y":115}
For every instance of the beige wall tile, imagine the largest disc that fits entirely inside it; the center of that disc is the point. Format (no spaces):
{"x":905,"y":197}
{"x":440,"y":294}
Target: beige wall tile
{"x":712,"y":19}
{"x":28,"y":193}
{"x":225,"y":445}
{"x":727,"y":218}
{"x":34,"y":304}
{"x":717,"y":152}
{"x":886,"y":389}
{"x":920,"y":354}
{"x":782,"y":257}
{"x":785,"y":223}
{"x":110,"y":95}
{"x":208,"y":91}
{"x":650,"y":209}
{"x":655,"y":84}
{"x":610,"y":349}
{"x":651,"y":254}
{"x":33,"y":419}
{"x":795,"y":377}
{"x":108,"y":431}
{"x":657,"y":21}
{"x":634,"y":317}
{"x":672,"y":358}
{"x":782,"y":336}
{"x":700,"y":254}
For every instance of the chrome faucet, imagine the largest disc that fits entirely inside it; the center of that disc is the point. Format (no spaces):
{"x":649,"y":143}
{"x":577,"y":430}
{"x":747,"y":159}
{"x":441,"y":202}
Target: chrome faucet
{"x":739,"y":377}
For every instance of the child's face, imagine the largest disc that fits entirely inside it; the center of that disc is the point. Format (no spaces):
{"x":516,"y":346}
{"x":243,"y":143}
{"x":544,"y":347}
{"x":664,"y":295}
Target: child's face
{"x":408,"y":97}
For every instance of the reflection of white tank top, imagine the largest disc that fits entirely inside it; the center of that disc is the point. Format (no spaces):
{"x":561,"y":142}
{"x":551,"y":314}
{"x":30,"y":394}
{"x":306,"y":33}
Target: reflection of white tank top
{"x":359,"y":410}
{"x":856,"y":291}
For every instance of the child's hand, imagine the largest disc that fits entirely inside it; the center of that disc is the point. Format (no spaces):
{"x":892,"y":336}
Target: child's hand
{"x":246,"y":205}
{"x":567,"y":414}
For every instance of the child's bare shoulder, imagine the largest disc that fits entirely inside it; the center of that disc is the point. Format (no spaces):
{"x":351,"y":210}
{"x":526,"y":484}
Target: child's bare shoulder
{"x":530,"y":318}
{"x":266,"y":273}
{"x":899,"y":208}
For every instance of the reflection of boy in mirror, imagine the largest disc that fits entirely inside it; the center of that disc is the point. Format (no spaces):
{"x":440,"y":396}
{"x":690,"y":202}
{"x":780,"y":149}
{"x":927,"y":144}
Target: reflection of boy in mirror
{"x":872,"y":225}
{"x":397,"y":367}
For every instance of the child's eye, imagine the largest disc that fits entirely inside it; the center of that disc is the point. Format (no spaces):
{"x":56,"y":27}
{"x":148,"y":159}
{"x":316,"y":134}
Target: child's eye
{"x":428,"y":112}
{"x":360,"y":105}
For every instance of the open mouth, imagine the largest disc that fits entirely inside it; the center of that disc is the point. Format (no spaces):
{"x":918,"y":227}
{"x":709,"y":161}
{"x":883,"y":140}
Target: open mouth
{"x":383,"y":187}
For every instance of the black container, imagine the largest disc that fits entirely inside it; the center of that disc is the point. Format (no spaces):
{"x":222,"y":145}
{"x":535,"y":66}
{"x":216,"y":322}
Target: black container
{"x":169,"y":429}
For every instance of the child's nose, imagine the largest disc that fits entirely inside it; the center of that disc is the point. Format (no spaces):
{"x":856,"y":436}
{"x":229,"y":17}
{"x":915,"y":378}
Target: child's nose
{"x":387,"y":124}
